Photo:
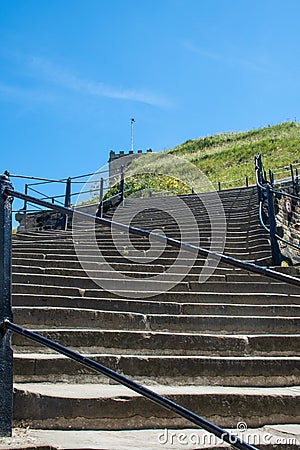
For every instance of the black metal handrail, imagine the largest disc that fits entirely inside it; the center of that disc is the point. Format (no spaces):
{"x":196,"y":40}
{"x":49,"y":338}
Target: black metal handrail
{"x":264,"y":187}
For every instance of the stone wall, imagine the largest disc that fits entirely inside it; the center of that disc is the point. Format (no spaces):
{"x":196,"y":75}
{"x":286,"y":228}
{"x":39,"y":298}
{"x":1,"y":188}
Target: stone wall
{"x":288,"y":222}
{"x":49,"y":220}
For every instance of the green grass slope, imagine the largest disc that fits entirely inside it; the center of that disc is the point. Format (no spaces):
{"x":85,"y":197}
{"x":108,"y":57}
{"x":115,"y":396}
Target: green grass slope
{"x":228,"y":158}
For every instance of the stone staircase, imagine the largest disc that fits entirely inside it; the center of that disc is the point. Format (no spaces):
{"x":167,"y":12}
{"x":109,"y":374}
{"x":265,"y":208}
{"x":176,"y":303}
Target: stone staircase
{"x":228,"y":349}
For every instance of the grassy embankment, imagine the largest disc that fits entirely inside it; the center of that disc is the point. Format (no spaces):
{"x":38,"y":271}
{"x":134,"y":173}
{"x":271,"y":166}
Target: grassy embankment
{"x":227,"y":158}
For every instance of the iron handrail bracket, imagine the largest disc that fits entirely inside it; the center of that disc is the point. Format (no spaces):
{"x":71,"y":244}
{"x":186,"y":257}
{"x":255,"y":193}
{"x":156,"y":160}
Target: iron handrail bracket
{"x":230,"y":260}
{"x":165,"y":402}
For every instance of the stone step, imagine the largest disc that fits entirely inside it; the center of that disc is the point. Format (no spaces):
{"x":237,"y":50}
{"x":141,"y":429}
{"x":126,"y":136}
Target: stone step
{"x":269,"y":437}
{"x":44,"y":261}
{"x":110,"y":248}
{"x":164,"y":369}
{"x":255,"y":252}
{"x":230,"y":273}
{"x":164,"y":283}
{"x":76,"y":272}
{"x":63,"y":317}
{"x":143,"y":342}
{"x":23,"y":291}
{"x":159,"y":307}
{"x":262,"y":258}
{"x":109,"y":407}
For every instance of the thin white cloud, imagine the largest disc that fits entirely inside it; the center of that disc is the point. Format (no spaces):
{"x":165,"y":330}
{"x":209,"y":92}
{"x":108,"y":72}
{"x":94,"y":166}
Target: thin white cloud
{"x":226,"y":60}
{"x":63,"y":78}
{"x":26,"y":95}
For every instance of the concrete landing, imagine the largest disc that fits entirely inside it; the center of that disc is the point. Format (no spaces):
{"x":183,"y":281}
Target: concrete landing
{"x":273,"y":437}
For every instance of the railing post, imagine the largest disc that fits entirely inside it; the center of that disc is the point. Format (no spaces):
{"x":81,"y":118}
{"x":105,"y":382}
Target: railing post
{"x":68,"y":193}
{"x":67,"y":203}
{"x":219,"y":185}
{"x":247,"y":181}
{"x":122,"y":183}
{"x":297,"y":181}
{"x":6,"y":353}
{"x":258,"y":169}
{"x":271,"y":176}
{"x":293,"y":178}
{"x":276,"y":254}
{"x":25,"y":207}
{"x":99,"y":212}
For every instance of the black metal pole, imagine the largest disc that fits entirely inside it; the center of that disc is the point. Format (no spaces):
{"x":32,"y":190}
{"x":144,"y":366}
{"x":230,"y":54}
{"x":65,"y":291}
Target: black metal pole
{"x":232,"y":439}
{"x":122,"y":183}
{"x":25,"y":207}
{"x":99,"y":212}
{"x":67,"y":203}
{"x":276,"y":254}
{"x":6,"y":353}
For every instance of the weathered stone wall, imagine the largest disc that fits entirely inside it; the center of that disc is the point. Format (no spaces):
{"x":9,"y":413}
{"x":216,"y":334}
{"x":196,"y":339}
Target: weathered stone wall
{"x":49,"y":220}
{"x":288,"y":222}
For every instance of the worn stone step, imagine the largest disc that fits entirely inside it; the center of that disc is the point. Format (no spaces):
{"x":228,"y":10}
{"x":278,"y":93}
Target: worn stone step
{"x":67,"y":406}
{"x":163,"y":342}
{"x":147,"y":283}
{"x":86,"y":295}
{"x":68,"y":272}
{"x":166,"y":369}
{"x":158,"y":307}
{"x":69,"y":318}
{"x":126,"y":284}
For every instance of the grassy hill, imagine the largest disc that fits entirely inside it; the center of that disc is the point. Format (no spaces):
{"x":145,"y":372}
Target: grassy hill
{"x":230,"y":156}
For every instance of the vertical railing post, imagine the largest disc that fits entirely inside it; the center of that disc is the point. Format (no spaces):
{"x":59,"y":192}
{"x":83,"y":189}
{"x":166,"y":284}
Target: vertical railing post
{"x":297,"y":182}
{"x":247,"y":181}
{"x":68,"y":193}
{"x":99,"y":212}
{"x":6,"y":354}
{"x":25,"y":207}
{"x":67,"y":203}
{"x":293,"y":178}
{"x":276,"y":255}
{"x":271,"y":176}
{"x":258,"y":169}
{"x":219,"y":185}
{"x":122,"y":183}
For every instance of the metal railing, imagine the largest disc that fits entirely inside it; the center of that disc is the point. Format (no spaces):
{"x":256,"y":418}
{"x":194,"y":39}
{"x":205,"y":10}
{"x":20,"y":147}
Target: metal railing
{"x":7,"y":325}
{"x":266,"y":194}
{"x":100,"y":187}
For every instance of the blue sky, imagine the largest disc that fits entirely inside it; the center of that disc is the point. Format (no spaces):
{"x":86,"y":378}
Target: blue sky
{"x":74,"y":72}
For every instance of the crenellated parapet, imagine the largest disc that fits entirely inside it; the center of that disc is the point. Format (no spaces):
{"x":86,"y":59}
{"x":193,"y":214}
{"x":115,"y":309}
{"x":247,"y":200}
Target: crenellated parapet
{"x":122,"y":158}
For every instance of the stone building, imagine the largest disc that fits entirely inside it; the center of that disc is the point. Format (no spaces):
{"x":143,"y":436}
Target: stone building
{"x":116,"y":160}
